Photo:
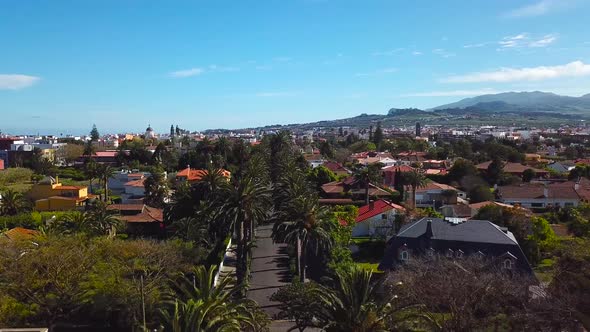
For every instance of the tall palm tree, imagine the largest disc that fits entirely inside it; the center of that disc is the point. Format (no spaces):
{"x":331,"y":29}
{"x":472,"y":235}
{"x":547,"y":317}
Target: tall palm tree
{"x":11,"y":202}
{"x":306,"y":225}
{"x":368,"y":175}
{"x":243,"y":205}
{"x":101,"y":221}
{"x":104,"y":173}
{"x":68,"y":223}
{"x":415,"y":180}
{"x":91,"y":170}
{"x":355,"y":303}
{"x":201,"y":306}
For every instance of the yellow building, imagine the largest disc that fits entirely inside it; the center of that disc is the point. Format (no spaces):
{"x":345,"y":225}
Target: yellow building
{"x":50,"y":195}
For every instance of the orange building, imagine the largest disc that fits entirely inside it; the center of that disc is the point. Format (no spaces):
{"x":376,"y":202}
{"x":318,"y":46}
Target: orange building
{"x":50,"y":195}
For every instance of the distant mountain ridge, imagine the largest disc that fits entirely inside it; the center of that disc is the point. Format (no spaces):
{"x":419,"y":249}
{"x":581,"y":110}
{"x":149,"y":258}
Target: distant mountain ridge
{"x":525,"y":101}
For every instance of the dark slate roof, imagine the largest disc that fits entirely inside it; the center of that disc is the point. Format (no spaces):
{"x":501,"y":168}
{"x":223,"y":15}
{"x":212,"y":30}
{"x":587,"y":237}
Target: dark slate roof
{"x":469,"y":237}
{"x":472,"y":231}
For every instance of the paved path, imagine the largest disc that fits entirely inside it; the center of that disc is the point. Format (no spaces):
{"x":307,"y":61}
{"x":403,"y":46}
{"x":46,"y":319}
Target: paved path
{"x":269,"y":270}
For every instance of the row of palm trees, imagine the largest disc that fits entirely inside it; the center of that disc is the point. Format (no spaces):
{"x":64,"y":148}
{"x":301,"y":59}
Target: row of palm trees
{"x":97,"y":221}
{"x":100,"y":172}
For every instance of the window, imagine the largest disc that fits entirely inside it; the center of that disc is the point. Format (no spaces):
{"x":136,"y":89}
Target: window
{"x":430,"y":252}
{"x":450,"y":253}
{"x":536,"y":205}
{"x":404,"y":255}
{"x":569,"y":204}
{"x":384,"y":216}
{"x":507,"y":264}
{"x":459,"y":253}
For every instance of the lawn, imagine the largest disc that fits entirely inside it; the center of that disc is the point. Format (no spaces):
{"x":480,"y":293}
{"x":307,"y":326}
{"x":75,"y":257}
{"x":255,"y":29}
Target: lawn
{"x":369,"y":266}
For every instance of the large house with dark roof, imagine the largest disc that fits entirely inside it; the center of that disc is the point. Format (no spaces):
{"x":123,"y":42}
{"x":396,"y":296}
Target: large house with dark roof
{"x":431,"y":237}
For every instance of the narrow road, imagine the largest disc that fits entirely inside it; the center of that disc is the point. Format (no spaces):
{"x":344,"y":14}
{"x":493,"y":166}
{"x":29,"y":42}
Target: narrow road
{"x":269,"y":270}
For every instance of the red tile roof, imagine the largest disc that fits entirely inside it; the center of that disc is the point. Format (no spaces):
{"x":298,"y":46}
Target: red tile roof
{"x":148,"y":215}
{"x":135,"y":183}
{"x":512,"y":168}
{"x":402,"y":169}
{"x":197,"y":174}
{"x":563,"y":190}
{"x":19,"y":233}
{"x":376,"y":208}
{"x":335,"y":167}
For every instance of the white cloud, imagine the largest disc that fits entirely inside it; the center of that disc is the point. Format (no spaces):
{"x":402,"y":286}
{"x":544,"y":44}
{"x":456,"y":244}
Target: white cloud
{"x":216,"y":68}
{"x":476,"y":45}
{"x":416,"y":53}
{"x":275,"y":94}
{"x":17,"y":81}
{"x":378,"y":72}
{"x":443,"y":53}
{"x":524,"y":40}
{"x":572,"y":69}
{"x":389,"y":52}
{"x":187,"y":73}
{"x":541,"y":7}
{"x":453,"y":93}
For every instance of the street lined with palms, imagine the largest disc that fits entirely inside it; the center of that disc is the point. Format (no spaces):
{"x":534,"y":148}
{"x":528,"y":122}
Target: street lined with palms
{"x":269,"y":271}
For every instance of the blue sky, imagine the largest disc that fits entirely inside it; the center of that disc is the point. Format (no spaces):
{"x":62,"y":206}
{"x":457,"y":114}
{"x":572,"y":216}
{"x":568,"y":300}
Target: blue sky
{"x":122,"y":64}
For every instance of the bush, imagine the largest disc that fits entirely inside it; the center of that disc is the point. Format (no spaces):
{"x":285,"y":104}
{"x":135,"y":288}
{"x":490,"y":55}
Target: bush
{"x":15,"y":175}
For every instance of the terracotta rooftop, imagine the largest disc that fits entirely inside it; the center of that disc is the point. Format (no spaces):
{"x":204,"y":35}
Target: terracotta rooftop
{"x":513,"y":168}
{"x":402,"y":169}
{"x":135,"y":183}
{"x":376,"y":208}
{"x":19,"y":233}
{"x":197,"y":174}
{"x":563,"y":190}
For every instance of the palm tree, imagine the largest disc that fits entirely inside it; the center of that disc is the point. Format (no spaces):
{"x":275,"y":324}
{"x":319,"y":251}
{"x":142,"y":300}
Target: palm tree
{"x":306,"y":225}
{"x":104,"y":173}
{"x":68,"y":223}
{"x":367,"y":175}
{"x":242,"y":206}
{"x":354,"y":303}
{"x":91,"y":170}
{"x":415,"y":180}
{"x":11,"y":202}
{"x":200,"y":305}
{"x":101,"y":221}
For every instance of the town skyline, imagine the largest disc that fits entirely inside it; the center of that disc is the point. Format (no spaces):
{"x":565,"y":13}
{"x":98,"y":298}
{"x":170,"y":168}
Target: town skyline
{"x":294,"y":62}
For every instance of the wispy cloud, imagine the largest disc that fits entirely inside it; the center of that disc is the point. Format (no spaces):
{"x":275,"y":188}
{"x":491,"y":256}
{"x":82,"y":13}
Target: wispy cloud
{"x":222,"y":69}
{"x":417,"y":53}
{"x":453,"y":93}
{"x":199,"y":71}
{"x":383,"y":71}
{"x":186,"y":72}
{"x":524,"y":40}
{"x":539,"y":8}
{"x":267,"y":94}
{"x":477,"y":45}
{"x":572,"y":69}
{"x":443,"y":53}
{"x":17,"y":81}
{"x":388,"y":52}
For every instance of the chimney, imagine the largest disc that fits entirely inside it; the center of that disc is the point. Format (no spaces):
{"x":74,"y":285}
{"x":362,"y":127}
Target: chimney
{"x":577,"y":186}
{"x":371,"y":205}
{"x":546,"y":192}
{"x":428,"y":232}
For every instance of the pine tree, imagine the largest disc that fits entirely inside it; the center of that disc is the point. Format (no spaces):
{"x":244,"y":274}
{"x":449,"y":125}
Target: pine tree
{"x":94,"y":135}
{"x":177,"y":131}
{"x":172,"y":131}
{"x":378,"y":136}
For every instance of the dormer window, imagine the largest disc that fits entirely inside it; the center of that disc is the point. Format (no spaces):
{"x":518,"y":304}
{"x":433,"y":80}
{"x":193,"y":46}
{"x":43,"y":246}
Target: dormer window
{"x":459,"y":253}
{"x":507,"y":264}
{"x":479,"y":254}
{"x":430,"y":252}
{"x":450,"y":253}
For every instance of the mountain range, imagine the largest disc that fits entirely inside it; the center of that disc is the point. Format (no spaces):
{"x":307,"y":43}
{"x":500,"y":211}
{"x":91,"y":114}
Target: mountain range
{"x":535,"y":101}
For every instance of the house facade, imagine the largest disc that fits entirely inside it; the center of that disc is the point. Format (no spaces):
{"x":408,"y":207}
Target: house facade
{"x":540,"y":196}
{"x":377,"y":219}
{"x":50,"y":195}
{"x":434,"y":238}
